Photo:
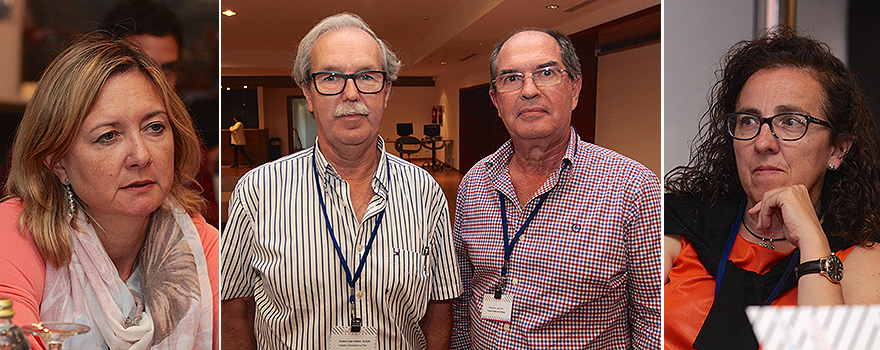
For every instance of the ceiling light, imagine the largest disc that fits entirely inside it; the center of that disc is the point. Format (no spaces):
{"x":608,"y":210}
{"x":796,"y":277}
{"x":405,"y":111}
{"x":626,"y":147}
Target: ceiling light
{"x":552,"y":7}
{"x":443,"y":62}
{"x":245,"y":86}
{"x":229,"y":13}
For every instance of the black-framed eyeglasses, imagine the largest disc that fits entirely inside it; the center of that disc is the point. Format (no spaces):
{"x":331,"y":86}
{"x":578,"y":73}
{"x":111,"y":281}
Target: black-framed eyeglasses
{"x":366,"y":82}
{"x":783,"y":126}
{"x":546,"y":76}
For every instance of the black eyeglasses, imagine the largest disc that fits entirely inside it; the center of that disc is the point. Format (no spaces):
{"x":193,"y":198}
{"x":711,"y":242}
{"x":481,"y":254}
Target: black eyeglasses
{"x":332,"y":83}
{"x":783,"y":126}
{"x":546,"y":76}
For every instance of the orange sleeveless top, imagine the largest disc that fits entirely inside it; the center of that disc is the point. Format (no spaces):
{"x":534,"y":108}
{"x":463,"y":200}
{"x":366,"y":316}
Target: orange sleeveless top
{"x":689,"y":294}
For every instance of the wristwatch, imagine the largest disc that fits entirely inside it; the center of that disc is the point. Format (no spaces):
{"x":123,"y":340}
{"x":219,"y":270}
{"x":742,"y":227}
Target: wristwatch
{"x":831,"y":267}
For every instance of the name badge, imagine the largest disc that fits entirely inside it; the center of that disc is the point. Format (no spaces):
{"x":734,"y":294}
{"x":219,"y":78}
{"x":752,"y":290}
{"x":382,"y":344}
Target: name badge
{"x":342,"y":338}
{"x":497,"y":309}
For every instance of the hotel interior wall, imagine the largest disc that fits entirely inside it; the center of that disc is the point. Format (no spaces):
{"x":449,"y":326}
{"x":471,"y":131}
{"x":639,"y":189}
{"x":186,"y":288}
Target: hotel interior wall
{"x":697,"y":33}
{"x":413,"y":104}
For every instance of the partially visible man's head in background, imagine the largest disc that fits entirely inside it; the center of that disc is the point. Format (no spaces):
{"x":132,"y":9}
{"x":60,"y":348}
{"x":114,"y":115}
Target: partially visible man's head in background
{"x":153,"y":27}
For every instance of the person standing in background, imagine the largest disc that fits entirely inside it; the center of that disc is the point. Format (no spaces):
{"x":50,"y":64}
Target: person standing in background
{"x":238,"y":142}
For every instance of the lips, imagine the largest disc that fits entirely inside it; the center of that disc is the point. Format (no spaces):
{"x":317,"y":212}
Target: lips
{"x":765,"y":169}
{"x":532,"y":110}
{"x":138,"y":184}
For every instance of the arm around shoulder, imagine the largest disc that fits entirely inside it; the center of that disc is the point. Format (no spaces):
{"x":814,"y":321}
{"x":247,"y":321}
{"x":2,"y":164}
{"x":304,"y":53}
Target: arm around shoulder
{"x":238,"y":324}
{"x":437,"y":324}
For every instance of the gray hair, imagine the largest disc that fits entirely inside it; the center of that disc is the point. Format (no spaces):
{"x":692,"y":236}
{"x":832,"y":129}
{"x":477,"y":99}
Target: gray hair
{"x":566,"y":48}
{"x":302,"y":67}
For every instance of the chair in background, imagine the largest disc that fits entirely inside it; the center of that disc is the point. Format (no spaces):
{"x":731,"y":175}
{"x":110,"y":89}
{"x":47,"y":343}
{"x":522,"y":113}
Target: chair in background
{"x":406,"y":144}
{"x":433,"y":141}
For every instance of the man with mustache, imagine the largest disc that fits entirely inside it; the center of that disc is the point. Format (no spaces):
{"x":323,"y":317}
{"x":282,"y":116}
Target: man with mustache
{"x":342,"y":245}
{"x":558,"y":239}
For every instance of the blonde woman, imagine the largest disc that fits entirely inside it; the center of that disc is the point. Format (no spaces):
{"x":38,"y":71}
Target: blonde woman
{"x":100,"y":226}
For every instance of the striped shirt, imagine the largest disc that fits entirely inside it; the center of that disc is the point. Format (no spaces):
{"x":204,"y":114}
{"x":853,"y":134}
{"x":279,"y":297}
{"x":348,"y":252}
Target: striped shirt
{"x":276,"y":248}
{"x":584,"y":275}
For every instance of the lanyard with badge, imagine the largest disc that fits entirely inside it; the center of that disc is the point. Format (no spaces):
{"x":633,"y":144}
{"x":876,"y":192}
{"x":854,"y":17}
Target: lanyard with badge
{"x":498,"y":306}
{"x":357,"y":336}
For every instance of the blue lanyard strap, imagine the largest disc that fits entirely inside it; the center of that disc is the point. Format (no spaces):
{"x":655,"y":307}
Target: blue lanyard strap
{"x":722,"y":264}
{"x":357,"y":274}
{"x":508,"y":245}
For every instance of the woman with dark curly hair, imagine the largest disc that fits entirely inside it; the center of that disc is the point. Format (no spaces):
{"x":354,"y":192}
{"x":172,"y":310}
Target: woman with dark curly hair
{"x":781,"y":195}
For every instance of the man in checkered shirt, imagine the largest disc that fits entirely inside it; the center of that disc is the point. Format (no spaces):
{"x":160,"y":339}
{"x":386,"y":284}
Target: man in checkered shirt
{"x":558,"y":240}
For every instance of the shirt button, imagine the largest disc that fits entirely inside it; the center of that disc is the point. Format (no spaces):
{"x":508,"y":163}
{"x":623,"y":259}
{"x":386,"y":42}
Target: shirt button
{"x":360,"y":294}
{"x":360,"y":247}
{"x":507,"y":326}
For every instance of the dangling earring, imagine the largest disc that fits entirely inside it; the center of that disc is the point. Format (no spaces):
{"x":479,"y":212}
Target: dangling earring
{"x":70,"y":201}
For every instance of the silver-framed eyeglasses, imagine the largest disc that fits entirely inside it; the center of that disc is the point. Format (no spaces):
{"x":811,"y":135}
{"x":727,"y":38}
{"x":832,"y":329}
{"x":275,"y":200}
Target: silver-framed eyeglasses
{"x":783,"y":126}
{"x":546,"y":76}
{"x":333,"y":83}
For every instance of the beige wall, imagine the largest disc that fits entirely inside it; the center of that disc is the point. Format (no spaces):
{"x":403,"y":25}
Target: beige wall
{"x":273,"y":109}
{"x":628,"y":104}
{"x":447,"y":93}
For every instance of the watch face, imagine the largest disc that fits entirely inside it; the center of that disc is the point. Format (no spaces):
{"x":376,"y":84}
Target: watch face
{"x":834,"y":268}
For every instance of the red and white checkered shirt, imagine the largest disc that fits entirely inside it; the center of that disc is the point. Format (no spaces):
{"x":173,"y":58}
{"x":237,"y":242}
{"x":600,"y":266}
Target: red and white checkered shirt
{"x":586,"y":272}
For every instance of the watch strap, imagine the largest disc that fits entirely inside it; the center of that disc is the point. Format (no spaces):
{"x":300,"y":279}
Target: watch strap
{"x":812,"y":266}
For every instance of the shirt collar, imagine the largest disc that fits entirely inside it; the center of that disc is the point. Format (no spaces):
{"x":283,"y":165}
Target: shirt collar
{"x":380,"y":177}
{"x":499,"y":161}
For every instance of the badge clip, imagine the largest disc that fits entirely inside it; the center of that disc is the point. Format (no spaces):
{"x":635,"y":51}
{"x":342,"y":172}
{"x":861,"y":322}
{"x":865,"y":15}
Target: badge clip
{"x":356,"y":325}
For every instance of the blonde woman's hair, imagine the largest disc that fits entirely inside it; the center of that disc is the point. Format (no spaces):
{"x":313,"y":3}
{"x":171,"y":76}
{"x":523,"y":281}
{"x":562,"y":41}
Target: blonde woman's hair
{"x":65,"y":94}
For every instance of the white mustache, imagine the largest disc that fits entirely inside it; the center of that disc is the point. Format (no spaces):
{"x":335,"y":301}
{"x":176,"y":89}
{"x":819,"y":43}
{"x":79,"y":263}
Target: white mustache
{"x":350,"y":108}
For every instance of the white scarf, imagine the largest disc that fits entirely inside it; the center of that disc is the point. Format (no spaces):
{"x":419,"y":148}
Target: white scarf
{"x":166,"y":304}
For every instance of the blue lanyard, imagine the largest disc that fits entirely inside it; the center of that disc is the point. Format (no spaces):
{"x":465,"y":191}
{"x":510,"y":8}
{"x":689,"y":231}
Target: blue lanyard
{"x":355,"y":321}
{"x":508,"y":245}
{"x":722,"y":264}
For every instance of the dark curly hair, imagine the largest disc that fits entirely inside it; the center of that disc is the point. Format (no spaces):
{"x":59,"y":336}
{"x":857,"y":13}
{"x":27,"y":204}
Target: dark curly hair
{"x":850,"y":195}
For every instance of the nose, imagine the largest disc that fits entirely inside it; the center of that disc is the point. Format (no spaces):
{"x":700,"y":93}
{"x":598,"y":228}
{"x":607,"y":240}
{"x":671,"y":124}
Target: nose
{"x":529,"y":89}
{"x":350,"y":91}
{"x":765,"y":141}
{"x":139,"y":155}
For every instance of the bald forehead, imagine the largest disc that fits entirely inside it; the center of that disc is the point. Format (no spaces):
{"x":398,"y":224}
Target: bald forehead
{"x":530,"y":45}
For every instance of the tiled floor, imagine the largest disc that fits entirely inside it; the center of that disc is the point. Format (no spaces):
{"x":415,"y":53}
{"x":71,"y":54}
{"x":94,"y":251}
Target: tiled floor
{"x":448,"y":180}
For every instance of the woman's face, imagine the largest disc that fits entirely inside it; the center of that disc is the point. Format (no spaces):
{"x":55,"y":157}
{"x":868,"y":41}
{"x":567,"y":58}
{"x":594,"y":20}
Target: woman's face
{"x":121,"y":163}
{"x":765,"y":162}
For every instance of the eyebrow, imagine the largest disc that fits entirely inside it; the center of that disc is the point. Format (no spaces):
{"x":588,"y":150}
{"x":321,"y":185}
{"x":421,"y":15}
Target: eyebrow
{"x":145,"y":117}
{"x":542,"y":65}
{"x":338,"y":70}
{"x":777,"y":110}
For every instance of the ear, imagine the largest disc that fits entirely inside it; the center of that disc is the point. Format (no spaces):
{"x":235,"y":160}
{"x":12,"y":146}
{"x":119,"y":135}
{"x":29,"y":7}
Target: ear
{"x":57,"y":167}
{"x":307,"y":92}
{"x":494,"y":96}
{"x":838,"y":152}
{"x":576,"y":91}
{"x":387,"y":92}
